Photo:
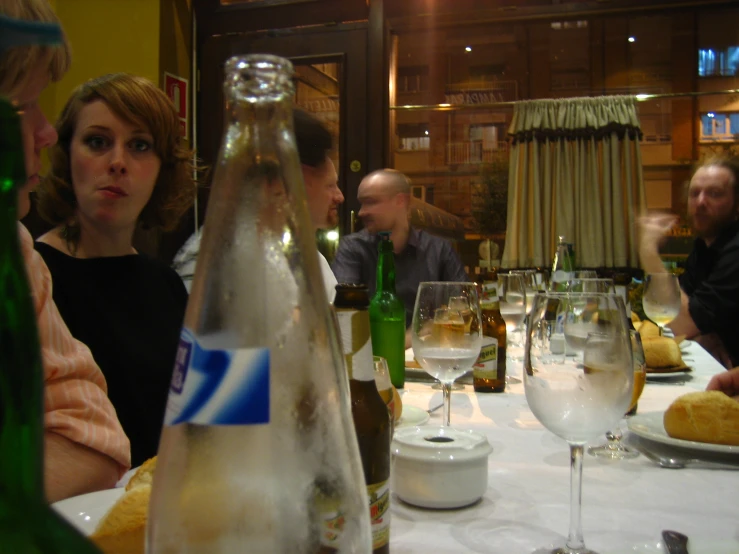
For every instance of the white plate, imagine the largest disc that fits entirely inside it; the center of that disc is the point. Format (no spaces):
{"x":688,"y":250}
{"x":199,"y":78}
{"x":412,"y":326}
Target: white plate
{"x":696,"y":545}
{"x":649,"y":426}
{"x":412,"y":417}
{"x":668,"y":374}
{"x":86,"y":511}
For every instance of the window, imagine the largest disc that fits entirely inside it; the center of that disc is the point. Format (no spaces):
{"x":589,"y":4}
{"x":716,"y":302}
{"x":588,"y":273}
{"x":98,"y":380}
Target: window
{"x":413,"y":136}
{"x":413,"y":78}
{"x":714,"y":62}
{"x":720,"y":126}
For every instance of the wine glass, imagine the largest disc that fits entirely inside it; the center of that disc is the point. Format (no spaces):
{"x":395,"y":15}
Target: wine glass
{"x":661,"y":299}
{"x":586,"y":274}
{"x":580,"y":316}
{"x":575,"y":402}
{"x":591,"y":284}
{"x":529,"y":281}
{"x":614,"y":449}
{"x":512,"y":294}
{"x":443,"y":343}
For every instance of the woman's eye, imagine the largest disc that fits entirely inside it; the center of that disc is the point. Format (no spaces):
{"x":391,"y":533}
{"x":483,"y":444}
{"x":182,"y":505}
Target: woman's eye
{"x":96,"y":142}
{"x":140,"y":145}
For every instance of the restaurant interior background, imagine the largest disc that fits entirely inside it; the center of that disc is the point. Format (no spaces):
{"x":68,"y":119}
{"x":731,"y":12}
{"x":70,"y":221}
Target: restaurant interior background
{"x":428,"y":87}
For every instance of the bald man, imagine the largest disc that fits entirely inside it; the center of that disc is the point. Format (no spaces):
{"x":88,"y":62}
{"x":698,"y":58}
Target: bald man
{"x":385,"y":197}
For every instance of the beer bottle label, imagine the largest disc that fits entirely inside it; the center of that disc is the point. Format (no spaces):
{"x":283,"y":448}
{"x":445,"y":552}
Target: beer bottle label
{"x":354,"y":328}
{"x":487,"y":362}
{"x":216,"y":386}
{"x":379,"y":498}
{"x":332,"y":521}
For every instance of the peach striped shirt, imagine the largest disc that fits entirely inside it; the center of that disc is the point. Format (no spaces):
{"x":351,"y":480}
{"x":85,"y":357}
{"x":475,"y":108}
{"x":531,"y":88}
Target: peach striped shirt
{"x":76,"y":400}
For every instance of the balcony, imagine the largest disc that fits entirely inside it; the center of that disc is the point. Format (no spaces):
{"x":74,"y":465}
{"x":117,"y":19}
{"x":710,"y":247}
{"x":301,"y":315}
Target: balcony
{"x":475,"y":152}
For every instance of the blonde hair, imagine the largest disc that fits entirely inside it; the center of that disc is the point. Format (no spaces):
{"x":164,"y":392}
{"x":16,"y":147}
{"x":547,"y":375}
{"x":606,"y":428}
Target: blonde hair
{"x":18,"y":65}
{"x":137,"y":101}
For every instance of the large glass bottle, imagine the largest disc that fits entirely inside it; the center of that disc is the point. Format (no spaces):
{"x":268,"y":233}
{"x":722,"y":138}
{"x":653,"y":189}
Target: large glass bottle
{"x":258,"y":452}
{"x":387,"y":314}
{"x":563,"y":267}
{"x":369,"y":411}
{"x":489,"y":373}
{"x":28,"y":524}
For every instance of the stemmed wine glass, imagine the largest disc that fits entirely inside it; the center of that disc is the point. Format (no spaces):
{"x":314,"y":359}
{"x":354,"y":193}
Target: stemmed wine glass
{"x":529,"y":280}
{"x":512,"y":294}
{"x":614,"y":449}
{"x":446,"y":342}
{"x":661,"y":299}
{"x":591,"y":284}
{"x":579,"y":402}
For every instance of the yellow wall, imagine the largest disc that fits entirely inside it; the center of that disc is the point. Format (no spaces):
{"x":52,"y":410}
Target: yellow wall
{"x":144,"y":37}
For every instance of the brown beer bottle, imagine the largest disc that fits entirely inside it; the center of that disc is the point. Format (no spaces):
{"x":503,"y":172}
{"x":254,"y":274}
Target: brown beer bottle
{"x":369,"y":411}
{"x":489,"y":372}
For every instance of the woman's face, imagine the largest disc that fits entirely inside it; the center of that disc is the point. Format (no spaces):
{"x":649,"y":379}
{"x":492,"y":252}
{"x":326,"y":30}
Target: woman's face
{"x":37,"y":134}
{"x":114,"y":168}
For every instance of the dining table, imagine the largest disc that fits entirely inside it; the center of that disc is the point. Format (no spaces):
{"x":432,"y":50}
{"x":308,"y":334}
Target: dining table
{"x":626,"y":504}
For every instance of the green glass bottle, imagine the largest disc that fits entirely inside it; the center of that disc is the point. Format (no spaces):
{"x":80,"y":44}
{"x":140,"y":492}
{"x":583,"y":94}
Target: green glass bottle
{"x":387,"y":315}
{"x":28,"y":525}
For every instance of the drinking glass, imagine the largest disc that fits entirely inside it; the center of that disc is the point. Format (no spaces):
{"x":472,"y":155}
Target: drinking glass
{"x":443,"y":343}
{"x":586,"y":274}
{"x":591,"y":284}
{"x":580,"y":402}
{"x":512,"y":295}
{"x":614,"y":449}
{"x":661,"y":299}
{"x":580,"y":316}
{"x":530,"y":284}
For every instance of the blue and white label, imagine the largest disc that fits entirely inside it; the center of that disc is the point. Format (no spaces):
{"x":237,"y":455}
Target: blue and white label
{"x":218,"y":386}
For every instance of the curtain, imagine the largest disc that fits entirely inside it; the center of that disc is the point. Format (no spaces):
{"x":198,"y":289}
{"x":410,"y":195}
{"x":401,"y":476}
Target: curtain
{"x":574,"y":170}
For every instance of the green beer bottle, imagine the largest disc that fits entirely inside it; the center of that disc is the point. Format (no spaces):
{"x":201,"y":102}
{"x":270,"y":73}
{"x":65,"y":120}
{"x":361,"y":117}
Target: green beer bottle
{"x":387,"y":315}
{"x":28,"y":525}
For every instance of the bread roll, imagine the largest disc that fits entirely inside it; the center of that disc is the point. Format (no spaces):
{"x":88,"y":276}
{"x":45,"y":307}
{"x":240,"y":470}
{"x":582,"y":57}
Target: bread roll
{"x":635,"y":319}
{"x":122,"y":530}
{"x":708,"y":416}
{"x":661,"y":353}
{"x":647,"y":329}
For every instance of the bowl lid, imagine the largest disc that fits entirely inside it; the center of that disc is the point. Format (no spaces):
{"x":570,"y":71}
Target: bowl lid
{"x":439,"y":444}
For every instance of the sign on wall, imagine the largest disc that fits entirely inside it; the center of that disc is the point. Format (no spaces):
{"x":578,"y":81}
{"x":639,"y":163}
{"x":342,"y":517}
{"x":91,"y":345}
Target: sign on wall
{"x":176,"y":89}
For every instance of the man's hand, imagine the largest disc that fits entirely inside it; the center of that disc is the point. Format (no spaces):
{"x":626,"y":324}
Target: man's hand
{"x":726,"y":382}
{"x":653,"y":230}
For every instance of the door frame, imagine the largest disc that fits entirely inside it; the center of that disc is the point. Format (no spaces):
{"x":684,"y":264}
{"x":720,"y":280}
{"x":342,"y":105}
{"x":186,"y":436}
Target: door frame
{"x":345,"y":44}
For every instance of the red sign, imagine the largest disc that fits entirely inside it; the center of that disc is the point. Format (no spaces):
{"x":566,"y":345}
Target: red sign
{"x":176,"y":89}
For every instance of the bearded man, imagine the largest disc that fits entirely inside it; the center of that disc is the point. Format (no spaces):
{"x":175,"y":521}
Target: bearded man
{"x":710,"y":284}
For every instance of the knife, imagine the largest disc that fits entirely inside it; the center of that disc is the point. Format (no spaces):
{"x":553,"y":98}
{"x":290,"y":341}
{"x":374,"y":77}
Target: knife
{"x":675,"y":543}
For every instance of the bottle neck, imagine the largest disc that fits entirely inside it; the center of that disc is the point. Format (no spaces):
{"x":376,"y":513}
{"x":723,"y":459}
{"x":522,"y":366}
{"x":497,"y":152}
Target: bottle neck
{"x":386,"y":268}
{"x":21,"y":373}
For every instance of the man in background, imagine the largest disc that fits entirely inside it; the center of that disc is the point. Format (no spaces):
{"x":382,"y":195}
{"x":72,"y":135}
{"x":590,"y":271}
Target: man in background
{"x":314,"y":143}
{"x":385,"y":197}
{"x":710,"y":284}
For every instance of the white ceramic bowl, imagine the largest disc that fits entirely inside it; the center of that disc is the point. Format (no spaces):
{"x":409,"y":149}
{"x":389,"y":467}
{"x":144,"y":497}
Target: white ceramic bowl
{"x":439,"y":467}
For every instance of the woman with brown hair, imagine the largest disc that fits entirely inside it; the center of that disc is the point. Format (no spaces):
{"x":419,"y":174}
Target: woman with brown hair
{"x":119,"y":164}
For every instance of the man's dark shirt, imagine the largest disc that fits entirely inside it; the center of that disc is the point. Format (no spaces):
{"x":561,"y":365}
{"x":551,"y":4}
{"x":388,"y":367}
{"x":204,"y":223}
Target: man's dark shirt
{"x":711,"y":280}
{"x":425,"y":258}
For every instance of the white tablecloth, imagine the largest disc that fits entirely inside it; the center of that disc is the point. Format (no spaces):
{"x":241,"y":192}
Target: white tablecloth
{"x":626,"y":504}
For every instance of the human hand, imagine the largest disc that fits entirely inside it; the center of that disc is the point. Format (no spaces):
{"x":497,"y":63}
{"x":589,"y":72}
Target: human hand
{"x":654,"y":228}
{"x":726,"y":382}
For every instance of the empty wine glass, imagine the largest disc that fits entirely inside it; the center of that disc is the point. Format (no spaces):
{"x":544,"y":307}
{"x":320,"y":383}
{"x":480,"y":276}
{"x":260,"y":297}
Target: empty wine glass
{"x":614,"y":449}
{"x":530,"y":284}
{"x":443,"y":342}
{"x":579,"y":402}
{"x":580,"y":316}
{"x":512,"y":294}
{"x":661,"y":299}
{"x":591,"y":284}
